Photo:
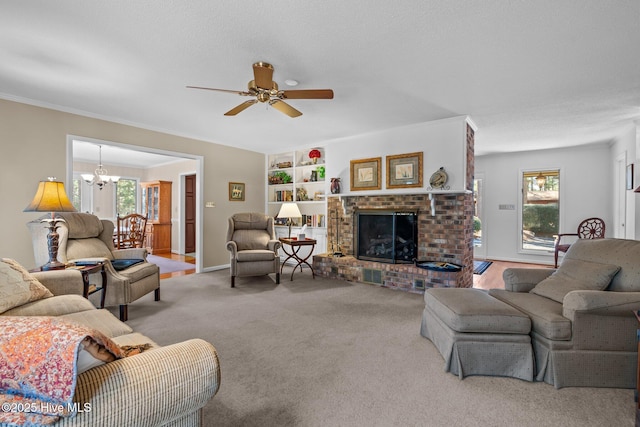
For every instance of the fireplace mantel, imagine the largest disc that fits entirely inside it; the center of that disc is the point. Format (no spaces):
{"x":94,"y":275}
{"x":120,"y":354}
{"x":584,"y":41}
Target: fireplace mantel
{"x":408,"y":191}
{"x":430,"y":193}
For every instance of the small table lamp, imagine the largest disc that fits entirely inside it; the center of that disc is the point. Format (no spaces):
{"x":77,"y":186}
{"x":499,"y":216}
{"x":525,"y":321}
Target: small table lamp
{"x":51,"y":197}
{"x":289,"y":210}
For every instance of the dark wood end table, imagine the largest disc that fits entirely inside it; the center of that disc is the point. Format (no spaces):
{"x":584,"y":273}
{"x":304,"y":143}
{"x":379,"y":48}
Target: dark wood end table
{"x":295,"y":246}
{"x":86,"y":270}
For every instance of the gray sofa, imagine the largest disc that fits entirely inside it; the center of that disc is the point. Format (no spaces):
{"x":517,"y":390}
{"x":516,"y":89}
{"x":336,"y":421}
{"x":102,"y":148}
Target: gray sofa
{"x":583,"y":329}
{"x":163,"y":386}
{"x":574,"y":326}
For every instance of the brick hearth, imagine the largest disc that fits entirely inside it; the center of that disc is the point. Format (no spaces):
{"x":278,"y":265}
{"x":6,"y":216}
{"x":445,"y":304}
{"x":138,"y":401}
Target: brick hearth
{"x":445,"y":236}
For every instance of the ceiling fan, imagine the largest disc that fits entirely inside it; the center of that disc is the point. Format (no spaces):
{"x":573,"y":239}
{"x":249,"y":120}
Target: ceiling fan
{"x":266,"y":90}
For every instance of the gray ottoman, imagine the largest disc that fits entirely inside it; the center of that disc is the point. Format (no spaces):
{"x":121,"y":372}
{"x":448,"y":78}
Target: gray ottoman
{"x":478,"y":334}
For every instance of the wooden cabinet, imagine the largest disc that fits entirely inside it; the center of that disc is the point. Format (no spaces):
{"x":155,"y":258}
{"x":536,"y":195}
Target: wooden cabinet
{"x":156,"y":205}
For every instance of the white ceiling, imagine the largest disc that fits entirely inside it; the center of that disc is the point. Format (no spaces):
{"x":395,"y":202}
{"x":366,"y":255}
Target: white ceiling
{"x":531,"y":74}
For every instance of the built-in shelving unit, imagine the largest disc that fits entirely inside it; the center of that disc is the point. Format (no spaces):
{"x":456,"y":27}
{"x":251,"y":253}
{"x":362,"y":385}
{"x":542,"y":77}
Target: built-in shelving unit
{"x":295,"y":177}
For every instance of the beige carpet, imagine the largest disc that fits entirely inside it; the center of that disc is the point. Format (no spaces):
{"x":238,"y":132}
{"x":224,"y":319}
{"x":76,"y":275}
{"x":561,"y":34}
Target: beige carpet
{"x":331,"y":353}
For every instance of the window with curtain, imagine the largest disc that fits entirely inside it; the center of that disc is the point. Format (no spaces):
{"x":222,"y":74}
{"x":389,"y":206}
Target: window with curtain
{"x":540,"y":209}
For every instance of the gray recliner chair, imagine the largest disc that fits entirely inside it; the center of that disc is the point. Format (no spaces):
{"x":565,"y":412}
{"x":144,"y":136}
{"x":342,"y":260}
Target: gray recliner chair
{"x":253,"y":246}
{"x":84,"y":236}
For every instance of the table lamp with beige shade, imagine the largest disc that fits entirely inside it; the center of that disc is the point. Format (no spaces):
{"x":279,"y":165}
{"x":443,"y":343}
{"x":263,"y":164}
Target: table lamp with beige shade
{"x":289,"y":210}
{"x":51,"y":197}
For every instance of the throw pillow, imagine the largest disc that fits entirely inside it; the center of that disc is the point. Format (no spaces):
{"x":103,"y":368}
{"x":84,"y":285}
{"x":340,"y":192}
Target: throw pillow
{"x":575,"y":275}
{"x":17,"y":286}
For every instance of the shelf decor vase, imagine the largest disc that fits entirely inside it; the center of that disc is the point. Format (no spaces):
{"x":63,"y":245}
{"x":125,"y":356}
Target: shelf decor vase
{"x":335,"y":185}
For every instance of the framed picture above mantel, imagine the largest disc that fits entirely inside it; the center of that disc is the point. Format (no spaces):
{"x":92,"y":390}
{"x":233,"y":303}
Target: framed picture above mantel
{"x":365,"y":174}
{"x":404,"y":170}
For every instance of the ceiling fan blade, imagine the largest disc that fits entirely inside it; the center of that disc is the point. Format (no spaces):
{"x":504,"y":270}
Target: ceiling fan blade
{"x":284,"y":108}
{"x":237,"y":92}
{"x":308,"y":94}
{"x":263,"y":75}
{"x":241,"y":107}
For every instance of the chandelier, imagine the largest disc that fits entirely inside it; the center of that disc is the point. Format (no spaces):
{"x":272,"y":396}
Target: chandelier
{"x":100,"y":176}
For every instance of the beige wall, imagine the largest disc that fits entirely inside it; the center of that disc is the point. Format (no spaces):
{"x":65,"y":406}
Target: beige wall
{"x":33,"y":142}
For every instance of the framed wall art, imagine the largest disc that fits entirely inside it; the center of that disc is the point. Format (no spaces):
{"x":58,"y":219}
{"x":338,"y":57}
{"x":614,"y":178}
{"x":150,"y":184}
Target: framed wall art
{"x":365,"y":174}
{"x":404,"y":170}
{"x":236,"y":191}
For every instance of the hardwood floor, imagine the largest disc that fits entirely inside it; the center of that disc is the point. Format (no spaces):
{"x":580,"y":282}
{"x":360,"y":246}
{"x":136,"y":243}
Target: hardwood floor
{"x":176,"y":257}
{"x":492,"y":277}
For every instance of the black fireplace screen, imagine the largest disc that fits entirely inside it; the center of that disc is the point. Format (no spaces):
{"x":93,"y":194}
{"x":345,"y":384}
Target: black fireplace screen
{"x":386,"y":236}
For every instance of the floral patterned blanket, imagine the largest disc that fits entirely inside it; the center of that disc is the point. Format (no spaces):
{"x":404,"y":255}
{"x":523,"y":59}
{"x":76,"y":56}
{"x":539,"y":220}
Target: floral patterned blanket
{"x":38,"y":369}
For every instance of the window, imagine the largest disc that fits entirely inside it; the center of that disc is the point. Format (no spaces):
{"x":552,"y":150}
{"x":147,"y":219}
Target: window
{"x":81,"y":194}
{"x":540,"y":209}
{"x":126,"y":196}
{"x":477,"y":213}
{"x":76,"y":194}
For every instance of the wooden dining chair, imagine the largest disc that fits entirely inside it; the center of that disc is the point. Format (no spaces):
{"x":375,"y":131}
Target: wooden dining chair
{"x":590,"y":228}
{"x":130,"y":231}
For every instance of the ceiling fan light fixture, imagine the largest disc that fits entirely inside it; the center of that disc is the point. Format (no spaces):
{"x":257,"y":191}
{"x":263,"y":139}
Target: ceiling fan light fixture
{"x":265,"y":90}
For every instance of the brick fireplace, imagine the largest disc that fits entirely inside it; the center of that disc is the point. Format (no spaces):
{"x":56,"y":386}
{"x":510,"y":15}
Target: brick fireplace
{"x":447,"y":235}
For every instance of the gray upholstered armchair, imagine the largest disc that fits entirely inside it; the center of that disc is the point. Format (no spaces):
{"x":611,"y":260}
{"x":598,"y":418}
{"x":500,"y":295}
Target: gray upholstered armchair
{"x":86,"y":237}
{"x":583,"y":328}
{"x":253,"y":246}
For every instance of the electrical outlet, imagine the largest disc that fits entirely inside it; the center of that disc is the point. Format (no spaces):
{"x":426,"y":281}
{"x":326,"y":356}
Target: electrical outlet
{"x":210,"y":205}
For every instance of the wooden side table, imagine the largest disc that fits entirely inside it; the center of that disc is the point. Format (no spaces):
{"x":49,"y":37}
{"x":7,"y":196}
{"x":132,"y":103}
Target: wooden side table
{"x":86,"y":270}
{"x":295,"y":246}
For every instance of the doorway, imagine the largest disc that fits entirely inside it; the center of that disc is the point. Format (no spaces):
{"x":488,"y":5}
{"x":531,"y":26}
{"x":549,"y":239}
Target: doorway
{"x":620,"y":198}
{"x":133,"y":150}
{"x":479,"y":228}
{"x":189,"y":214}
